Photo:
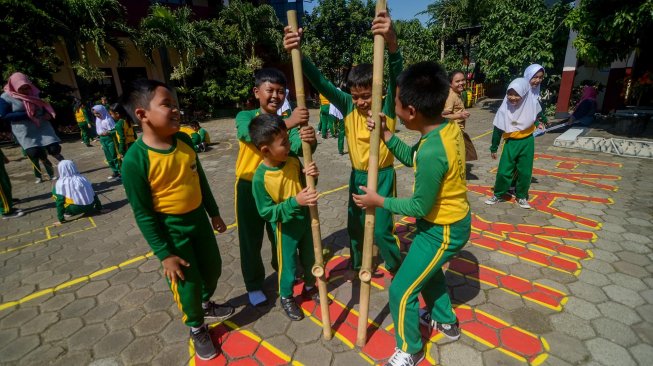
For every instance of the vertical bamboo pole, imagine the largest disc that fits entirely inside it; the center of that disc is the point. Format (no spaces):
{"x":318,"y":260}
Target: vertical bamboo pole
{"x":372,"y":178}
{"x":318,"y":267}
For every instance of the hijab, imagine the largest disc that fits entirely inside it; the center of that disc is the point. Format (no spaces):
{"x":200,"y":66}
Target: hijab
{"x":104,"y":122}
{"x":511,"y":118}
{"x":31,"y":101}
{"x":530,"y":71}
{"x":73,"y":185}
{"x":589,"y":93}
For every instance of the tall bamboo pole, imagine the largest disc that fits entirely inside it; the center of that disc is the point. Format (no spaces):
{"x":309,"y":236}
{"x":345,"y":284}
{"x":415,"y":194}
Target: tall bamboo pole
{"x":318,"y":267}
{"x":365,"y":273}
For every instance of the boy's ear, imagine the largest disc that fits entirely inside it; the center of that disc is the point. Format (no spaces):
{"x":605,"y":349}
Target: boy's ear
{"x":412,"y":112}
{"x":141,"y":114}
{"x":265,"y":149}
{"x":255,"y":90}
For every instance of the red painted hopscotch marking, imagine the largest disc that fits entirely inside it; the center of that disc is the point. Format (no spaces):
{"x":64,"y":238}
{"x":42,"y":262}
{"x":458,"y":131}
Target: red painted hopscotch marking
{"x":545,"y":237}
{"x":540,"y":294}
{"x":567,"y":162}
{"x":543,"y":200}
{"x":474,"y":323}
{"x":240,"y":347}
{"x":587,"y":179}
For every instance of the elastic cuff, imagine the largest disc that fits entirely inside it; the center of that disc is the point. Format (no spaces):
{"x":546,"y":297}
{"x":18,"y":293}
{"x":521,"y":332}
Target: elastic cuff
{"x":162,"y":254}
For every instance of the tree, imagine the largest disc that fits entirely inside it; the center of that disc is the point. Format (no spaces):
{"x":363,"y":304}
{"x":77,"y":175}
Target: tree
{"x":27,"y":35}
{"x":334,"y":34}
{"x":610,"y":30}
{"x":97,"y":24}
{"x":516,"y":33}
{"x":169,"y":30}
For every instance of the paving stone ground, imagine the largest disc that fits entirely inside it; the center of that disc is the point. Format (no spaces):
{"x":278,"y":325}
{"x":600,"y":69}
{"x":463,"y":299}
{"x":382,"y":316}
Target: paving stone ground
{"x":566,"y":283}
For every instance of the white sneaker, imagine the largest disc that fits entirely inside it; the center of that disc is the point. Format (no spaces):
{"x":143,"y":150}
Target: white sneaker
{"x":16,"y":214}
{"x":523,"y":203}
{"x":493,"y":200}
{"x":54,"y":177}
{"x":38,"y":180}
{"x":401,"y":358}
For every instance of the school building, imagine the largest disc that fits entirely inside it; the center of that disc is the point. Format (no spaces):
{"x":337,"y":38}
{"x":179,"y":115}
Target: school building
{"x":137,"y":65}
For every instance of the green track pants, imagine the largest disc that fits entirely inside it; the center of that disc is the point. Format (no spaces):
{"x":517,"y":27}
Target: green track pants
{"x":250,"y":237}
{"x":384,"y":230}
{"x":6,"y":200}
{"x":83,"y":130}
{"x":109,"y":147}
{"x":422,"y":273}
{"x":194,"y":242}
{"x":340,"y":127}
{"x":291,"y":238}
{"x":326,"y":121}
{"x":516,"y":161}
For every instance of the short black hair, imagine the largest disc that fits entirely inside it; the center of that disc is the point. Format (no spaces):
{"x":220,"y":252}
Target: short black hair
{"x":454,"y":73}
{"x":271,"y":75}
{"x":194,"y":123}
{"x":264,"y":128}
{"x":360,"y":76}
{"x":138,"y":94}
{"x":424,"y":85}
{"x":118,"y":108}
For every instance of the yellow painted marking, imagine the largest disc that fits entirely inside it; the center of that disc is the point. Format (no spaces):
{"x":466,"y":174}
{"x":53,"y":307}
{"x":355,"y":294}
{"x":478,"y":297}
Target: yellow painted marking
{"x":483,"y":134}
{"x":218,"y":151}
{"x":48,"y":235}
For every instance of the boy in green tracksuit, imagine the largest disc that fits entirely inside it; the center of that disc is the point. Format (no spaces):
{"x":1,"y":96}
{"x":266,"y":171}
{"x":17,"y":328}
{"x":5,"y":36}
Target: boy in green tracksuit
{"x":6,"y":200}
{"x":355,"y":107}
{"x":269,"y":89}
{"x":439,"y":203}
{"x":170,"y":196}
{"x":281,"y":196}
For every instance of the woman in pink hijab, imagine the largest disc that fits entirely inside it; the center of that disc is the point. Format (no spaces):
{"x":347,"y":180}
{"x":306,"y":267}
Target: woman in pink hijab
{"x":586,"y":107}
{"x":30,"y":117}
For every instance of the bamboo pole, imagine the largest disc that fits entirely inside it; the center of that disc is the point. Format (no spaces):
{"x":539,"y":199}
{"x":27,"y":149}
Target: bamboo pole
{"x":365,"y":273}
{"x":318,"y":267}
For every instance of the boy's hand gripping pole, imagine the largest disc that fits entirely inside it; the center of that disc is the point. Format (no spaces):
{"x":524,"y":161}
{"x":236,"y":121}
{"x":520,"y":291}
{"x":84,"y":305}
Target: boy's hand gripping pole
{"x":318,"y":267}
{"x":372,"y":178}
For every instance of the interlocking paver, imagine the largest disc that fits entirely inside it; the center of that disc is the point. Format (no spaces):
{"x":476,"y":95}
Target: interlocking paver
{"x":608,"y":353}
{"x":129,"y":316}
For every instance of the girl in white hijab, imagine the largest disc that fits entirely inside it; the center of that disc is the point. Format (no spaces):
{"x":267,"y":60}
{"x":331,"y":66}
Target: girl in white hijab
{"x":534,"y":74}
{"x":105,"y":127}
{"x":515,"y":123}
{"x":73,"y":194}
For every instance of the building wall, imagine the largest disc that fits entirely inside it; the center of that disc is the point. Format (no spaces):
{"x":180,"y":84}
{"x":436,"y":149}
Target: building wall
{"x":135,"y":60}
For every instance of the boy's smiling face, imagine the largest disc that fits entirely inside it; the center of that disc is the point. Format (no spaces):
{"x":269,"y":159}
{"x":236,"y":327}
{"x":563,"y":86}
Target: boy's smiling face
{"x":270,"y":96}
{"x":362,"y":98}
{"x":163,"y":114}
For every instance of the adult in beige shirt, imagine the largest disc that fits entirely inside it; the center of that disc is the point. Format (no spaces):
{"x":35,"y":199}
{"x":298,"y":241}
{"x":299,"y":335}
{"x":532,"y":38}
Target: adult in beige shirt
{"x":454,"y":109}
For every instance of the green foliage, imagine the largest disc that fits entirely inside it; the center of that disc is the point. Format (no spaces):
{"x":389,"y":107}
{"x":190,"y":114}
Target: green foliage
{"x":517,"y":33}
{"x":27,"y":33}
{"x":610,"y":29}
{"x":337,"y":35}
{"x":169,"y":29}
{"x":417,"y":42}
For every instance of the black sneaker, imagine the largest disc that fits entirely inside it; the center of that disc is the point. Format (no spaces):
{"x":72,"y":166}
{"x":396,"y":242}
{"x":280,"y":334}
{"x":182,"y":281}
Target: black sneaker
{"x":204,"y":347}
{"x":292,"y":310}
{"x":13,"y":214}
{"x":401,"y":358}
{"x":451,"y":331}
{"x":313,"y":294}
{"x":215,"y":313}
